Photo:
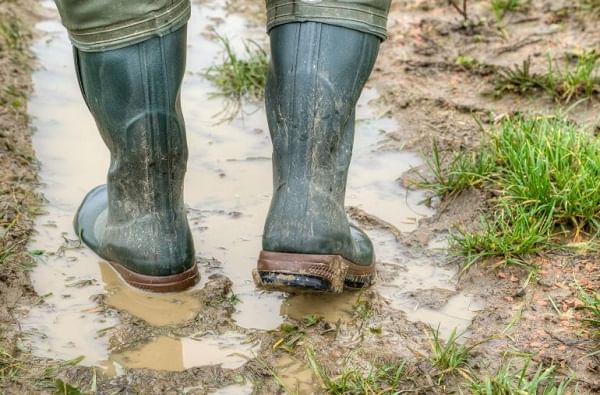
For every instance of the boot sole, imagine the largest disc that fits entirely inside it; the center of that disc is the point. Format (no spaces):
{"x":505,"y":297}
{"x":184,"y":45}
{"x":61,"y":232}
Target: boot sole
{"x":282,"y":271}
{"x":172,"y":283}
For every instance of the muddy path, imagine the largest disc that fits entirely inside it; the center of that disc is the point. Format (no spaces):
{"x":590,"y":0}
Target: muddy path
{"x":225,"y":321}
{"x":226,"y":337}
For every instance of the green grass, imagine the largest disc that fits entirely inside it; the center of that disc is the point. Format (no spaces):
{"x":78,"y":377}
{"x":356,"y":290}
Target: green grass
{"x":362,"y":308}
{"x":62,"y":388}
{"x":311,"y":320}
{"x":383,"y":379}
{"x":501,"y":7}
{"x":519,"y":79}
{"x":291,"y":336}
{"x":10,"y":367}
{"x":239,"y":76}
{"x":12,"y":33}
{"x":11,"y":96}
{"x":6,"y":251}
{"x":511,"y":378}
{"x":234,"y":299}
{"x":591,"y":303}
{"x":543,"y":173}
{"x":466,"y":61}
{"x":47,"y":377}
{"x":574,"y":82}
{"x":464,"y":171}
{"x":512,"y":381}
{"x":512,"y":233}
{"x":449,"y":356}
{"x":576,"y":79}
{"x":41,"y":376}
{"x":590,"y":5}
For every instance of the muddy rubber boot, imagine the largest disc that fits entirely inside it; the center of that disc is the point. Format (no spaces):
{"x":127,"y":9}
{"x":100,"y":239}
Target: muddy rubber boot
{"x":137,"y":221}
{"x":316,"y":75}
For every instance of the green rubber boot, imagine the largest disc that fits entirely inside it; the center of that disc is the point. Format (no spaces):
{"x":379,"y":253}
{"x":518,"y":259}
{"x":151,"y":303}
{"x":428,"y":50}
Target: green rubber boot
{"x":137,"y":221}
{"x":316,"y":75}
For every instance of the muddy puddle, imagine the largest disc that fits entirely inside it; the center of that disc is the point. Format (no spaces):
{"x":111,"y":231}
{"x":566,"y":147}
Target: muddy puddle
{"x":228,"y":188}
{"x":295,"y":376}
{"x":176,"y":354}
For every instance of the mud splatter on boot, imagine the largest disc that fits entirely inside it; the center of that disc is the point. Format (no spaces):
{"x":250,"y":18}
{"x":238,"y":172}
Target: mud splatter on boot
{"x":137,"y":221}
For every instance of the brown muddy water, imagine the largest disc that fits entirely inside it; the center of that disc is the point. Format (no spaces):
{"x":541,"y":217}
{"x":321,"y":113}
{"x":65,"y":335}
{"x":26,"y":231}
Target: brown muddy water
{"x":228,"y":188}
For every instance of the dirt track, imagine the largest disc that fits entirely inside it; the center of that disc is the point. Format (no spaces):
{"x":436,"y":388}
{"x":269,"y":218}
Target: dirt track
{"x":432,"y":97}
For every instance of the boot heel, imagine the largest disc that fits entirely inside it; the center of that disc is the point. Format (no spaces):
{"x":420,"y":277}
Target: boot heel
{"x":173,"y":283}
{"x":283,"y":271}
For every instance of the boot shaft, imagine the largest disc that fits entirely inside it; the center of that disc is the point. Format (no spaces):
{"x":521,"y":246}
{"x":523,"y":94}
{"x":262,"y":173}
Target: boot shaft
{"x":316,"y":75}
{"x":138,"y":219}
{"x":134,"y":96}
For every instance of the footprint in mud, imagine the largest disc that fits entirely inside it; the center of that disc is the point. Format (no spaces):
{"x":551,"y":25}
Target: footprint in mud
{"x":228,"y":189}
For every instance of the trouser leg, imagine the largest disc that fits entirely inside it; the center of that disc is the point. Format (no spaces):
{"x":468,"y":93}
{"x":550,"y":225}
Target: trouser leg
{"x":367,"y":16}
{"x":100,"y":25}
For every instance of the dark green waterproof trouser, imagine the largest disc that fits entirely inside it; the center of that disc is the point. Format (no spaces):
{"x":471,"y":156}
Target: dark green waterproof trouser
{"x":100,"y":25}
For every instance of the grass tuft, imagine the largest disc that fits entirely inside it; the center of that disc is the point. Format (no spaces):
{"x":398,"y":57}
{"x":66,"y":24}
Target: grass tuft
{"x":466,"y":61}
{"x":291,"y":337}
{"x":576,"y":80}
{"x":10,"y":366}
{"x":591,"y":303}
{"x":362,"y":308}
{"x":502,"y":7}
{"x":239,"y":77}
{"x":41,"y":376}
{"x":47,"y":377}
{"x":543,"y":172}
{"x":512,"y":233}
{"x":464,"y":171}
{"x":509,"y":381}
{"x":12,"y":33}
{"x":590,"y":5}
{"x":519,"y":79}
{"x":449,"y":356}
{"x":384,"y":379}
{"x":62,"y":388}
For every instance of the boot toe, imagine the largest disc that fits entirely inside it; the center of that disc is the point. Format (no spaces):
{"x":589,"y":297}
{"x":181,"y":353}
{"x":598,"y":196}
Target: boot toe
{"x":364,"y":252}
